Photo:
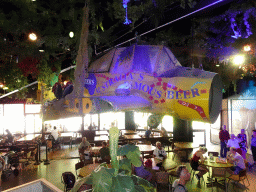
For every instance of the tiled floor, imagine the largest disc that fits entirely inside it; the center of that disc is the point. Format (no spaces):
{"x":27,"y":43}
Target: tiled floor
{"x":65,"y":159}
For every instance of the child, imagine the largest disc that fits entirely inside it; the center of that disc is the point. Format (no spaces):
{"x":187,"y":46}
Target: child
{"x":87,"y":155}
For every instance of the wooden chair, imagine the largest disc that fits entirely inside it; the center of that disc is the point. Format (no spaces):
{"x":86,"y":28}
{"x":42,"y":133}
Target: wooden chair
{"x":67,"y":140}
{"x":163,"y":178}
{"x":78,"y":166}
{"x":240,"y":177}
{"x":218,"y":173}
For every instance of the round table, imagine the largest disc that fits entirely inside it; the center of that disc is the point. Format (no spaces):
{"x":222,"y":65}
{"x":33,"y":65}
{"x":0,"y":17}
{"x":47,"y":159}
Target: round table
{"x":146,"y":149}
{"x":218,"y":169}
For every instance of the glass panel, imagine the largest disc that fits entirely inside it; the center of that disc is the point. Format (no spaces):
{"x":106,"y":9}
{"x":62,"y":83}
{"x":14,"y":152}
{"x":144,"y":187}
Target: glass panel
{"x":70,"y":124}
{"x":107,"y":118}
{"x":103,"y":63}
{"x":32,"y":108}
{"x":167,"y":123}
{"x":12,"y":111}
{"x":38,"y":123}
{"x":87,"y":121}
{"x":95,"y":121}
{"x":30,"y":124}
{"x":140,"y":119}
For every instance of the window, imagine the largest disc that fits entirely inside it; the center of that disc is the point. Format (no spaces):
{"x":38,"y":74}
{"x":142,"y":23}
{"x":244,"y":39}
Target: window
{"x":107,"y":118}
{"x":14,"y":118}
{"x":102,"y":64}
{"x":167,"y":123}
{"x":140,"y":119}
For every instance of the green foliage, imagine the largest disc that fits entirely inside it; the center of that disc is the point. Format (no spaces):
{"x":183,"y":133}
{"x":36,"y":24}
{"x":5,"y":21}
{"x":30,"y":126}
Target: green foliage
{"x":113,"y":145}
{"x":132,"y":153}
{"x":12,"y":76}
{"x":116,"y":179}
{"x":123,"y":183}
{"x":125,"y":164}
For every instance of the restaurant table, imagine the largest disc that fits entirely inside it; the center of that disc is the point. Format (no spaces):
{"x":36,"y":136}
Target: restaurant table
{"x":132,"y":137}
{"x":29,"y":137}
{"x":187,"y":147}
{"x":128,"y":132}
{"x":71,"y":134}
{"x":146,"y":149}
{"x":88,"y":169}
{"x":221,"y":165}
{"x":101,"y":138}
{"x":101,"y":132}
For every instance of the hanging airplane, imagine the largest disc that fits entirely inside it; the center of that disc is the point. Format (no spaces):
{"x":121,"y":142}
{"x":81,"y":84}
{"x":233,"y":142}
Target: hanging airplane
{"x":144,"y":78}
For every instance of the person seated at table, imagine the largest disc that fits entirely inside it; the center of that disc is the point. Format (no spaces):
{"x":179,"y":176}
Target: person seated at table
{"x":9,"y":136}
{"x":142,"y":172}
{"x":82,"y":147}
{"x":234,"y":142}
{"x":159,"y":154}
{"x":163,"y":132}
{"x":198,"y":156}
{"x":148,"y":133}
{"x":238,"y":161}
{"x":87,"y":159}
{"x":184,"y":176}
{"x":104,"y":153}
{"x":55,"y":133}
{"x":2,"y":165}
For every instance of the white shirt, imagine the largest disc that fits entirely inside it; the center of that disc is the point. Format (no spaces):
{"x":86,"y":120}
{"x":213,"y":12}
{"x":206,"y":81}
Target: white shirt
{"x":239,"y":161}
{"x":233,"y":143}
{"x":157,"y":152}
{"x":55,"y":134}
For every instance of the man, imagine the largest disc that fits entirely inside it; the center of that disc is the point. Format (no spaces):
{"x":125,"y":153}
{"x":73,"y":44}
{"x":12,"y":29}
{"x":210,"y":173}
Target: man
{"x":233,"y":142}
{"x":55,"y":133}
{"x":148,"y":133}
{"x":184,"y":176}
{"x":237,"y":160}
{"x":159,"y":154}
{"x":224,"y":137}
{"x":104,"y":153}
{"x":82,"y":147}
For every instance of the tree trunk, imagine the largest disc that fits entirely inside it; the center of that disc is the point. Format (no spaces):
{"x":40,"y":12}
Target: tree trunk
{"x":82,"y":56}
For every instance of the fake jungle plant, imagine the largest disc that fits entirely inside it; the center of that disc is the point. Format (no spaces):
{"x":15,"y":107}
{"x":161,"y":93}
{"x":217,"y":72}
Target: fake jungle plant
{"x":119,"y":178}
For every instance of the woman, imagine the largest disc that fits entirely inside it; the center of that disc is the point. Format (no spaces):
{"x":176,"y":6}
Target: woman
{"x":198,"y":156}
{"x":242,"y":143}
{"x":253,"y":145}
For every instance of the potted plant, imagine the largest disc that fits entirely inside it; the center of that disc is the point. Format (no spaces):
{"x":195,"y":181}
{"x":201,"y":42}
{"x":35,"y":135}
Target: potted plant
{"x":119,"y":178}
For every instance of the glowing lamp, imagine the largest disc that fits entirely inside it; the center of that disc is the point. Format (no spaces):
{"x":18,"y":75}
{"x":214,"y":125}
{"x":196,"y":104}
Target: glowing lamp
{"x":238,"y":59}
{"x":5,"y":88}
{"x":1,"y":85}
{"x":71,"y":34}
{"x":32,"y":36}
{"x":247,"y":48}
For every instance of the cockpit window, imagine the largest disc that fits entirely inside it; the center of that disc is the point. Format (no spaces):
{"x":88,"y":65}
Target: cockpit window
{"x":103,"y":63}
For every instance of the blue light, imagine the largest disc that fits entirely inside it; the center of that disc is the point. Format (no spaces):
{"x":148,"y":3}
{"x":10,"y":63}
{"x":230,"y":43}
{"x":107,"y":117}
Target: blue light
{"x":125,"y":5}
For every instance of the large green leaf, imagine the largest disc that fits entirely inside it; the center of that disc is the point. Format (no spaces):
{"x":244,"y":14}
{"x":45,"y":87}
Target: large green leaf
{"x":125,"y":164}
{"x":123,"y":183}
{"x":132,"y":152}
{"x":80,"y":182}
{"x":102,"y":181}
{"x":147,"y":186}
